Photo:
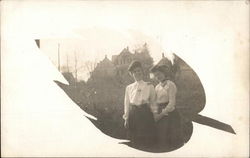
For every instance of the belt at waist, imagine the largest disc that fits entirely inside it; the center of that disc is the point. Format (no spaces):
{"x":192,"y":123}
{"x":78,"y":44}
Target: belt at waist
{"x":139,"y":106}
{"x":162,"y":105}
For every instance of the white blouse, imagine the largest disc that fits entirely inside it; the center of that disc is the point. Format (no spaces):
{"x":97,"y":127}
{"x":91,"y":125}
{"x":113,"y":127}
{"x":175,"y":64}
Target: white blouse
{"x":165,"y":93}
{"x":138,"y":93}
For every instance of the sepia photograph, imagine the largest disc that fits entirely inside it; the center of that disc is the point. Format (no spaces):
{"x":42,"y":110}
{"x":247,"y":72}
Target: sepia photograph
{"x":126,"y":78}
{"x":132,"y":97}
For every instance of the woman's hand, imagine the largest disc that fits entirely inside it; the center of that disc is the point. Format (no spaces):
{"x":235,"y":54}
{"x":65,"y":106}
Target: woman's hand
{"x":157,"y":117}
{"x":165,"y":111}
{"x":126,"y":124}
{"x":169,"y":109}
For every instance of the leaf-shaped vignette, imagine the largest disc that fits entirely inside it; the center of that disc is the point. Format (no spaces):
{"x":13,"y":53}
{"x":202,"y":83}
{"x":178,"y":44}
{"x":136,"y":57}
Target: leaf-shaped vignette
{"x":103,"y":94}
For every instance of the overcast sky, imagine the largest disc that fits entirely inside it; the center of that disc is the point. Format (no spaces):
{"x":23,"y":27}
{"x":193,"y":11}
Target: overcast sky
{"x":93,"y":29}
{"x":95,"y":44}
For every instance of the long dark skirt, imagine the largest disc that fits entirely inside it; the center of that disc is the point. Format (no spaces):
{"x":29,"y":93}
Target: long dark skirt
{"x":142,"y":128}
{"x":169,"y":130}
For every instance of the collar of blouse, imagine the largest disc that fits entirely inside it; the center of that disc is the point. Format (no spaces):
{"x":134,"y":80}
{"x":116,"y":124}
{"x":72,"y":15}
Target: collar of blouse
{"x":139,"y":82}
{"x":164,"y":83}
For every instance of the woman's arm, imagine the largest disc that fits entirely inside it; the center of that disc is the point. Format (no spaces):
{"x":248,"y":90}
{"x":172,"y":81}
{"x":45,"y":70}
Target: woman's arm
{"x":126,"y":105}
{"x":152,"y":102}
{"x":152,"y":99}
{"x":172,"y":90}
{"x":154,"y":106}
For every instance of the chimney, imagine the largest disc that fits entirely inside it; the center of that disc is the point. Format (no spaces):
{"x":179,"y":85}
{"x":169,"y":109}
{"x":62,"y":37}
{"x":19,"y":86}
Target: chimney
{"x":163,"y":56}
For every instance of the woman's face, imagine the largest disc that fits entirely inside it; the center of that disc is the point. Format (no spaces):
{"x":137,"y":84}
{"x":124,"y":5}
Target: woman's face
{"x":159,"y":76}
{"x":137,"y":73}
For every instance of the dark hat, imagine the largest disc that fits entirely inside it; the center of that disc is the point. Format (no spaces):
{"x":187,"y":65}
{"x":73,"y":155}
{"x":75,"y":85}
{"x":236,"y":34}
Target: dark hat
{"x":162,"y":68}
{"x":166,"y":70}
{"x":133,"y":65}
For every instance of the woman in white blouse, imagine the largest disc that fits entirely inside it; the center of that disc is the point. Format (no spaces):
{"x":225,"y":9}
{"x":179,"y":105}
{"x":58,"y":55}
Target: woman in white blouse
{"x":168,"y":125}
{"x":139,"y":98}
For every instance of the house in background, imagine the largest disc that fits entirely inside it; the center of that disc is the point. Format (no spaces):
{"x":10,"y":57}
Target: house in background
{"x":119,"y":64}
{"x":104,"y":68}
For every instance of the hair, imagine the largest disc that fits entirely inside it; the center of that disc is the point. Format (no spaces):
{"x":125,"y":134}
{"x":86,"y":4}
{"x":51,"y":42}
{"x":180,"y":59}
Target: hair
{"x":131,"y":72}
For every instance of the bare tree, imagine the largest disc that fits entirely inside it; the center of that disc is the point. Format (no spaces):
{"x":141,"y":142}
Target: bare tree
{"x":76,"y":61}
{"x":90,"y":66}
{"x":67,"y":62}
{"x":58,"y":56}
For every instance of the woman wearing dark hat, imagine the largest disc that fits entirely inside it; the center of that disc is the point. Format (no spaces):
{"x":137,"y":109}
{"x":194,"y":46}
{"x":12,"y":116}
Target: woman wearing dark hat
{"x":168,"y":126}
{"x":139,"y":97}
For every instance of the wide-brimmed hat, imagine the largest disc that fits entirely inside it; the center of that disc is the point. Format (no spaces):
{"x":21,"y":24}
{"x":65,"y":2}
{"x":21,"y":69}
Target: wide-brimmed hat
{"x":134,"y":64}
{"x":165,"y":69}
{"x":161,"y":68}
